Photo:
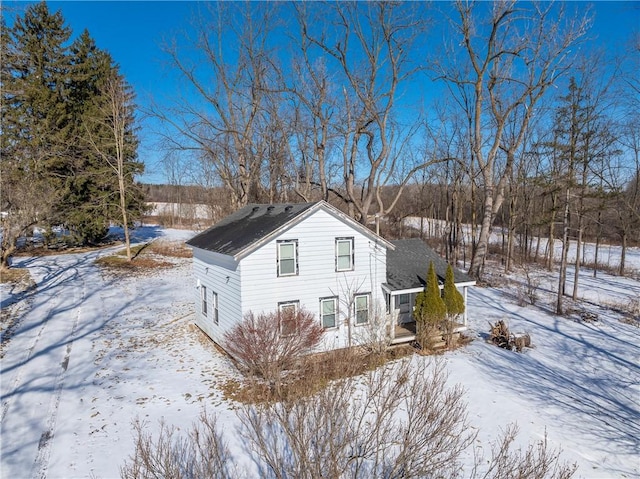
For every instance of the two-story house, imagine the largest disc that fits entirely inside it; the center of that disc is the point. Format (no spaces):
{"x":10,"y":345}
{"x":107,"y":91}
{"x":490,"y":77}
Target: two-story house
{"x":265,"y":258}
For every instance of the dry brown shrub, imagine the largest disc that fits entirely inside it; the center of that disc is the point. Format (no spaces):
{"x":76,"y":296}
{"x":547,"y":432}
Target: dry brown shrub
{"x":401,"y":420}
{"x":269,"y":345}
{"x":314,"y":373}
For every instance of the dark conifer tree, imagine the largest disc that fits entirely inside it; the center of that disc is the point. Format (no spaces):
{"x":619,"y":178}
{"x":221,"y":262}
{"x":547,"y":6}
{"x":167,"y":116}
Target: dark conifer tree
{"x":452,"y":298}
{"x":53,"y":127}
{"x":34,"y":79}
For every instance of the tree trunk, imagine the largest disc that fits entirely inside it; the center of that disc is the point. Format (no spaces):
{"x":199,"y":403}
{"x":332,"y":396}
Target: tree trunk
{"x":550,"y":242}
{"x":598,"y":239}
{"x":123,"y":208}
{"x":478,"y":259}
{"x":562,"y":276}
{"x":576,"y":273}
{"x":623,"y":254}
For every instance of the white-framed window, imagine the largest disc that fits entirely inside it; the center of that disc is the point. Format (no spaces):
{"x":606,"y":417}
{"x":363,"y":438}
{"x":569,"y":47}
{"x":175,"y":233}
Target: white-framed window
{"x":203,"y":297}
{"x":288,"y":313}
{"x":403,"y":302}
{"x":287,"y":257}
{"x":329,"y":312}
{"x":344,"y":254}
{"x":361,"y":307}
{"x":214,"y":307}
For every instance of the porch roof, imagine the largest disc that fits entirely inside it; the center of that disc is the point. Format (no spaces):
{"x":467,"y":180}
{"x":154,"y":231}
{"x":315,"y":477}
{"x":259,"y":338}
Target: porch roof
{"x":408,"y":264}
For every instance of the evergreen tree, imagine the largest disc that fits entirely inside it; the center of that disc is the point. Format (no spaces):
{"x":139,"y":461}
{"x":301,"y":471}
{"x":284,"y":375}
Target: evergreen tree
{"x":452,"y":298}
{"x":55,"y":132}
{"x":429,"y":310}
{"x":93,"y":189}
{"x":34,"y":76}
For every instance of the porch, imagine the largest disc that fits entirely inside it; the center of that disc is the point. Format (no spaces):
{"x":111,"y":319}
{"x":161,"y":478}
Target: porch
{"x":406,"y":332}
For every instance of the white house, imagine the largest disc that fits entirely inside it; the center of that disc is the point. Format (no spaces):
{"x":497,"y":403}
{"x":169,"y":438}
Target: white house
{"x":265,"y":258}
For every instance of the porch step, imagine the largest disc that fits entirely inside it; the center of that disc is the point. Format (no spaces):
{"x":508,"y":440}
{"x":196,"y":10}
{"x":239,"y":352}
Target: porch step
{"x":438,"y":345}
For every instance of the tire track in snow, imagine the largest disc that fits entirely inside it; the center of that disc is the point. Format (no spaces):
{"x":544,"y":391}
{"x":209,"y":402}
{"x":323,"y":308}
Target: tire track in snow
{"x":6,"y":404}
{"x":43,"y":456}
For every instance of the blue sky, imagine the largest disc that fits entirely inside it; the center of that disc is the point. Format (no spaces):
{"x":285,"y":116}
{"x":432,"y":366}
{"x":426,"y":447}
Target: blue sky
{"x":132,"y":32}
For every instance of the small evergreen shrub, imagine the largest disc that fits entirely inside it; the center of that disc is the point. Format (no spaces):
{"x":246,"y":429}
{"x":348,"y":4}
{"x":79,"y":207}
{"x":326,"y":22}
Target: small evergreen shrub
{"x":429,"y":310}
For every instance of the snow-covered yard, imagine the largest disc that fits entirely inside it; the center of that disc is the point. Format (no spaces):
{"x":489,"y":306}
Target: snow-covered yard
{"x":92,"y":351}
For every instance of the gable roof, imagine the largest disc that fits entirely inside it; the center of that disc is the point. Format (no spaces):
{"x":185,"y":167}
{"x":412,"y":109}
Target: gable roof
{"x":407,"y":265}
{"x":250,"y":227}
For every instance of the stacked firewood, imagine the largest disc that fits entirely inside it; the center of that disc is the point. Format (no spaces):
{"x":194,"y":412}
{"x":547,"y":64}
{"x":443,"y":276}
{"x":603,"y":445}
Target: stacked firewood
{"x":500,"y":336}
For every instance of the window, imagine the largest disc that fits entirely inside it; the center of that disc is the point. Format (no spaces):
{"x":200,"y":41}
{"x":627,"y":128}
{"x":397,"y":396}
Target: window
{"x":362,"y":308}
{"x":288,"y":317}
{"x":328,"y":312}
{"x":287,"y":258}
{"x":203,"y":296}
{"x":402,"y":302}
{"x":214,"y":307}
{"x":344,"y":254}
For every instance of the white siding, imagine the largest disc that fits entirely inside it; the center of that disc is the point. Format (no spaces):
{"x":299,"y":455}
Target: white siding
{"x":220,"y":274}
{"x":262,"y":289}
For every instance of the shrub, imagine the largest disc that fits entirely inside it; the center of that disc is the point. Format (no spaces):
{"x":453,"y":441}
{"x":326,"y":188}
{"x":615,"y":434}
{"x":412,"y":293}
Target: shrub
{"x":429,"y":310}
{"x":452,"y":298}
{"x":401,"y":420}
{"x":268,"y":344}
{"x":202,"y":453}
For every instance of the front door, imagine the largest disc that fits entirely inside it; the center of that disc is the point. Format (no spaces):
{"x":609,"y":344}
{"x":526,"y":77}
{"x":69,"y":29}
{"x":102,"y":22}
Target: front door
{"x":404,"y":303}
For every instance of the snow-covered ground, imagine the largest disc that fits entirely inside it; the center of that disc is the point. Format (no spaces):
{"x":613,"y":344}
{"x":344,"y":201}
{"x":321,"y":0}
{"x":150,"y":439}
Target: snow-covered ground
{"x":608,"y":255}
{"x":91,"y":351}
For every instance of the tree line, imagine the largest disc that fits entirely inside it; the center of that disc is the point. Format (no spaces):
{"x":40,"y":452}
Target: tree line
{"x":533,"y":129}
{"x":485,"y":114}
{"x":68,"y":141}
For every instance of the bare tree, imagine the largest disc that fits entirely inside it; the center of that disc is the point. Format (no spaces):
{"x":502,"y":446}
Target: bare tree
{"x":510,"y":61}
{"x":231,"y":75}
{"x":369,"y":52}
{"x":27,"y":199}
{"x":115,"y":117}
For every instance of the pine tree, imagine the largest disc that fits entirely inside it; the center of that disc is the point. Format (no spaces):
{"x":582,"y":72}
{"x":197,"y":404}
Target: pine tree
{"x":52,"y":118}
{"x":34,"y":77}
{"x":103,"y":193}
{"x":452,"y":298}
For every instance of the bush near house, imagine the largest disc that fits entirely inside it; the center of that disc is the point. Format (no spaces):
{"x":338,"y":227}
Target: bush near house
{"x":454,"y":303}
{"x":430,"y":310}
{"x":268,"y":344}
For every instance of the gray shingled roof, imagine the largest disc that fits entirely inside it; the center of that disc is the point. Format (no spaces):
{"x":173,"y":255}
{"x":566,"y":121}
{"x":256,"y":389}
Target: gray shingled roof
{"x":239,"y":230}
{"x":407,"y":265}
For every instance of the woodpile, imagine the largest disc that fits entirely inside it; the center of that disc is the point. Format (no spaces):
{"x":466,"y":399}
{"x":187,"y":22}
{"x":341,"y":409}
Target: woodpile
{"x":500,"y":336}
{"x":588,"y":317}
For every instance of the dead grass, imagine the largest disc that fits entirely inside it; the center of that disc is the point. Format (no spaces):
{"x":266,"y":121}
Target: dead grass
{"x":314,"y":373}
{"x":145,"y":256}
{"x":118,"y":262}
{"x":629,"y":310}
{"x":15,"y":276}
{"x":135,"y":250}
{"x":173,"y":249}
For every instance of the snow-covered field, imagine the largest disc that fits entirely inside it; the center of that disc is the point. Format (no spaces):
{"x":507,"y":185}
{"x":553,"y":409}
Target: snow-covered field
{"x":90,"y":352}
{"x":608,"y":255}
